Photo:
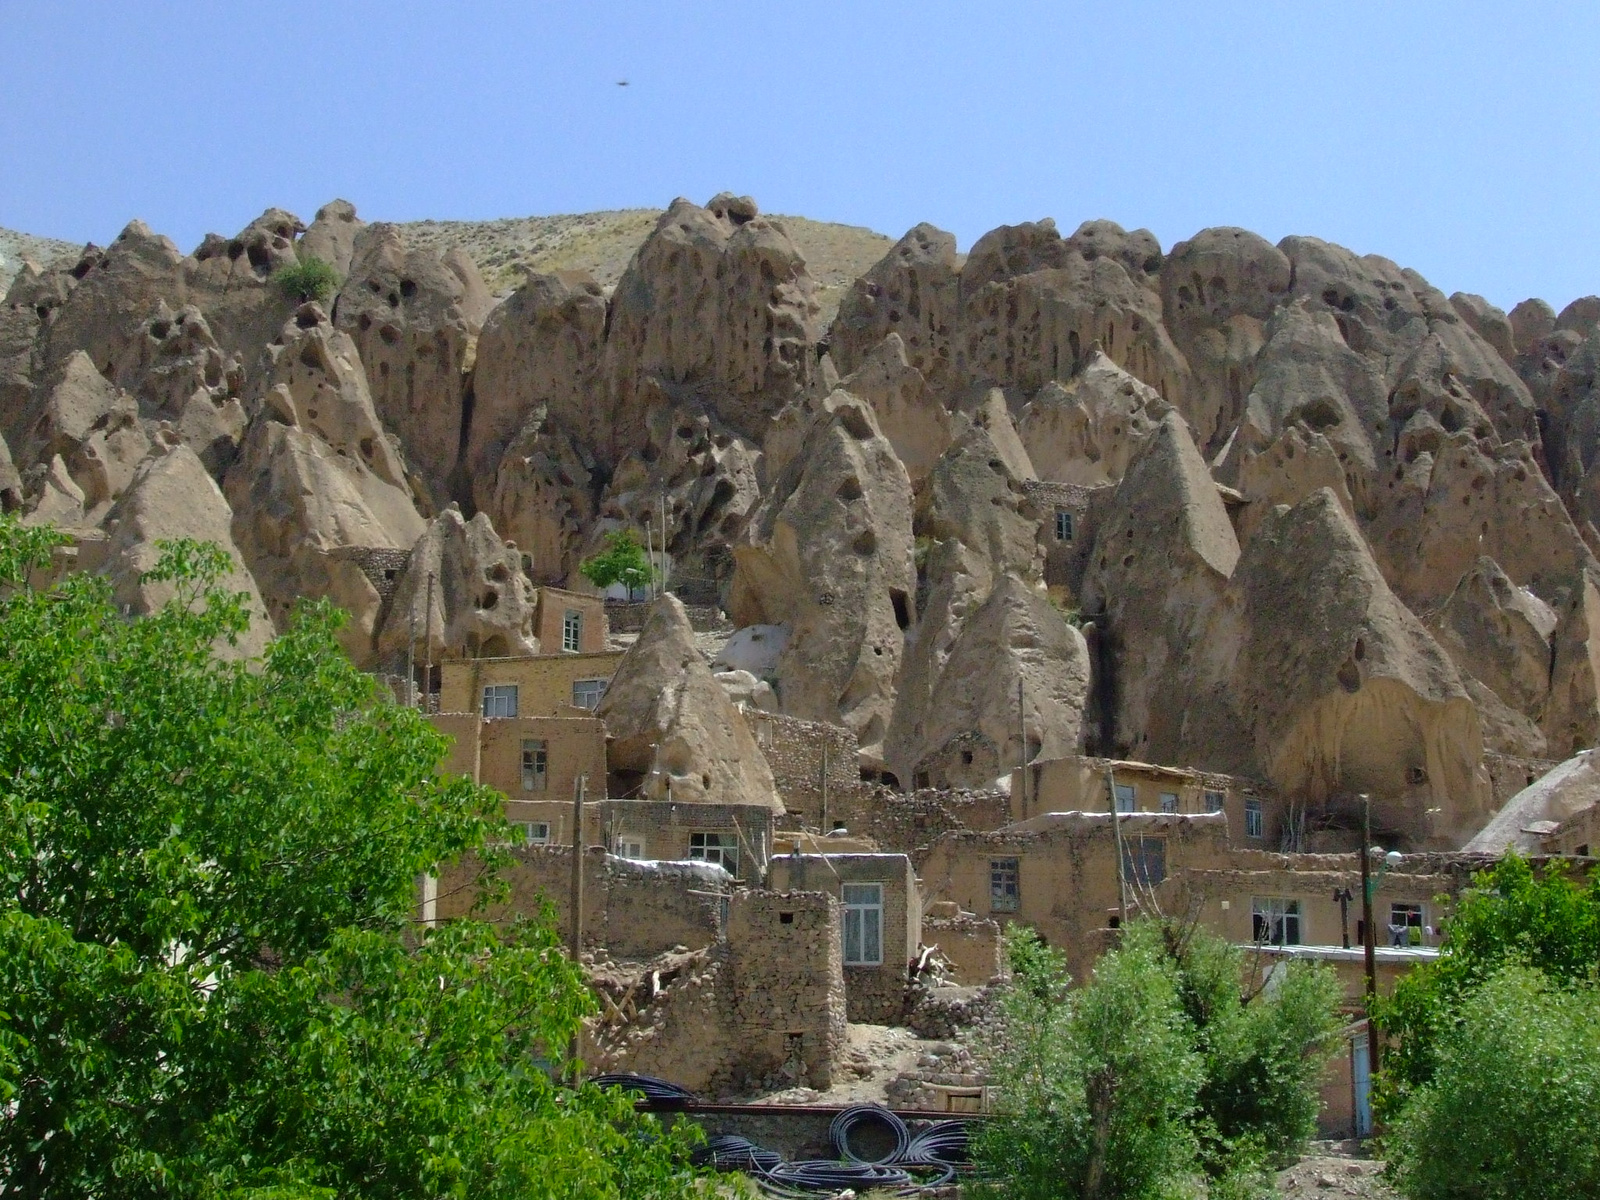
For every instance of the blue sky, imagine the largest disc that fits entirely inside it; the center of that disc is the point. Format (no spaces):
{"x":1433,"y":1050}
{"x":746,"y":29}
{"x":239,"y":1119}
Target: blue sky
{"x":1459,"y":138}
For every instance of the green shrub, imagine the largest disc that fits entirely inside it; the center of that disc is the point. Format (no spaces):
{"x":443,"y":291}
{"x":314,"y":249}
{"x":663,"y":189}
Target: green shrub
{"x":1098,"y":1083}
{"x":622,"y":561}
{"x":1510,"y":1110}
{"x":309,"y":279}
{"x":1510,"y":915}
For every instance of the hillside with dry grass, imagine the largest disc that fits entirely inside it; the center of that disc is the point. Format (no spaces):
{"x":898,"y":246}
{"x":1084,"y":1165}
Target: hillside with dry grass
{"x":14,"y":247}
{"x":603,"y":242}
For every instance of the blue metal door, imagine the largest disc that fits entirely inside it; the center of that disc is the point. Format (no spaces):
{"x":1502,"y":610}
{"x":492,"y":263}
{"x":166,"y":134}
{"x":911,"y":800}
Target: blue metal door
{"x":1361,"y":1074}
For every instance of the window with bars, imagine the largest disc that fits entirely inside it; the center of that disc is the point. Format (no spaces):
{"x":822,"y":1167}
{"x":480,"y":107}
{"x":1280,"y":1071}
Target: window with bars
{"x":863,"y":924}
{"x":1169,"y":802}
{"x":1005,"y":889}
{"x":1144,"y":860}
{"x":1214,"y":802}
{"x":720,"y":848}
{"x":572,"y":631}
{"x":586,"y":693}
{"x":1255,"y":824}
{"x":535,"y":765}
{"x":1126,"y":798}
{"x":500,"y":700}
{"x":1275,"y":921}
{"x":1063,"y":526}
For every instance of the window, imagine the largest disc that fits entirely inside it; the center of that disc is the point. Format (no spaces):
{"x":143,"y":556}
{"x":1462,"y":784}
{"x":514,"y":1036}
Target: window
{"x":1274,"y":921}
{"x":1144,"y":860}
{"x":863,"y":924}
{"x":500,"y":700}
{"x":1214,"y":802}
{"x":1063,"y":525}
{"x":1403,"y":918}
{"x":1169,"y":802}
{"x":535,"y":765}
{"x":720,"y":848}
{"x":630,"y":846}
{"x":1125,"y":798}
{"x":1254,"y":824}
{"x":586,"y":693}
{"x":571,"y":631}
{"x":538,"y":832}
{"x":1004,"y":892}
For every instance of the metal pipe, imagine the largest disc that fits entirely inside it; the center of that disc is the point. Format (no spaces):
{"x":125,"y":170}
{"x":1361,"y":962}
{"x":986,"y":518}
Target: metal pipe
{"x":576,"y":946}
{"x":1116,"y":834}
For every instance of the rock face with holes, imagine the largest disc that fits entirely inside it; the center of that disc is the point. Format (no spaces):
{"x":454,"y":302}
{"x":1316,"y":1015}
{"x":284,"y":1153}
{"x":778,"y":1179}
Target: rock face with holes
{"x":462,"y":594}
{"x":1087,"y":429}
{"x":1312,"y":671}
{"x":829,"y":553}
{"x":913,"y":292}
{"x":715,"y":309}
{"x":172,"y":496}
{"x":413,"y":318}
{"x":674,"y":729}
{"x":317,"y":474}
{"x":1015,"y":650}
{"x":910,"y":415}
{"x":1159,"y":568}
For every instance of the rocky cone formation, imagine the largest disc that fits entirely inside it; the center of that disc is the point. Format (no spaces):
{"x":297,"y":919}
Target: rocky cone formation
{"x":1319,"y":522}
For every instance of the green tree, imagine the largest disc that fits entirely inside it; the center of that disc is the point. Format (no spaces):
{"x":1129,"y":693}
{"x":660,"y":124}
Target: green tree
{"x":210,"y":980}
{"x":1509,"y":1111}
{"x":1263,"y":1053}
{"x":622,"y":561}
{"x":1510,"y":915}
{"x":1099,"y":1082}
{"x":309,"y":279}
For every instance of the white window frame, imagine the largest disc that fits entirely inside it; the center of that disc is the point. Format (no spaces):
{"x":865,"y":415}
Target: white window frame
{"x":1216,"y":801}
{"x":1005,"y":884}
{"x":1064,"y":525}
{"x":716,"y":846}
{"x":1169,"y":802}
{"x":1416,"y":917}
{"x":1280,"y":918}
{"x":1127,"y":798}
{"x":630,"y":846}
{"x":862,"y":905}
{"x":1255,"y":820}
{"x":571,"y":631}
{"x":595,"y":687}
{"x":499,"y":700}
{"x":537,"y":833}
{"x":535,"y":765}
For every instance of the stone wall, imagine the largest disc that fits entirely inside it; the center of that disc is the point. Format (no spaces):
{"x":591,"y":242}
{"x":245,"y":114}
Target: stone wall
{"x":633,"y":910}
{"x":796,"y":751}
{"x":767,"y":1010}
{"x":1066,"y":561}
{"x":969,"y":944}
{"x":625,"y":616}
{"x":909,"y":822}
{"x":664,"y":828}
{"x":874,"y":993}
{"x":1509,"y":774}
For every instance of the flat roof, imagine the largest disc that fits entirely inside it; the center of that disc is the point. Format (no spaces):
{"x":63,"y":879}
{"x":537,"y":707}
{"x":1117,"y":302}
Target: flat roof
{"x":1389,"y":954}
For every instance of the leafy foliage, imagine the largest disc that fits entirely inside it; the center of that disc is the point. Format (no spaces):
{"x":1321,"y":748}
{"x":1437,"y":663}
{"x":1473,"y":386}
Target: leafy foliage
{"x":1509,"y":1113}
{"x":210,"y":980}
{"x":309,"y":279}
{"x":622,"y":561}
{"x":1100,"y":1081}
{"x":1509,"y":916}
{"x":1160,"y":1069}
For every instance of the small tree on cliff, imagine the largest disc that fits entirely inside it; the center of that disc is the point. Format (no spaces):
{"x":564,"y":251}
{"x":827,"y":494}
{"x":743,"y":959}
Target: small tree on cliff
{"x":622,"y":561}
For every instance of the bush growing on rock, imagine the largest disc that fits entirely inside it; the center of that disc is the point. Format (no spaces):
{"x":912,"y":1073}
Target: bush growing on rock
{"x":309,"y":279}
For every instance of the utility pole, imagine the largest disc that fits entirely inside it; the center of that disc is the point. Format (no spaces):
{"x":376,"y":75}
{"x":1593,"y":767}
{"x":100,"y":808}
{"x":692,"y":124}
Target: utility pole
{"x":1116,"y":835}
{"x":822,"y":821}
{"x":1368,"y":932}
{"x":650,"y":552}
{"x":1022,"y":752}
{"x":576,"y":947}
{"x":411,"y":662}
{"x":664,"y":561}
{"x":427,"y":688}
